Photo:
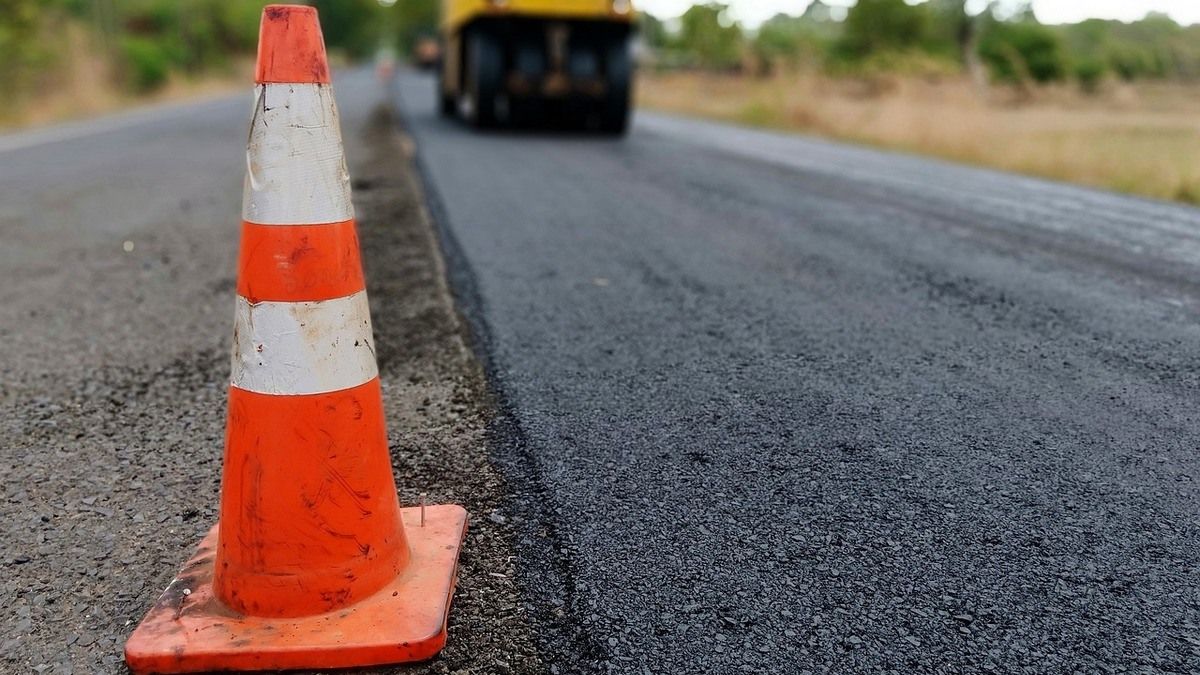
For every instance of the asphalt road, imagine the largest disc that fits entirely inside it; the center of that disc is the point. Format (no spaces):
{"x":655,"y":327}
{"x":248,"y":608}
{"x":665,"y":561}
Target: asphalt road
{"x":772,"y":404}
{"x":118,"y":242}
{"x":117,"y":256}
{"x":765,"y":403}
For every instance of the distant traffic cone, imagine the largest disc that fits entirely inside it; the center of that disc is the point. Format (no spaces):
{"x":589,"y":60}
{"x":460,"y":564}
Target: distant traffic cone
{"x":313,"y":564}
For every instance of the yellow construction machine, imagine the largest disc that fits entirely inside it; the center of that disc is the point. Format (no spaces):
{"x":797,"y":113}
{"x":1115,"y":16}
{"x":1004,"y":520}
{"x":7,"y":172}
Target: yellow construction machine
{"x":537,"y":62}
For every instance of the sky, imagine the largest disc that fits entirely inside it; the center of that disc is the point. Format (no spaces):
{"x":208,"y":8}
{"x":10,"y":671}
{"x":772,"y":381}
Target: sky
{"x":753,"y":12}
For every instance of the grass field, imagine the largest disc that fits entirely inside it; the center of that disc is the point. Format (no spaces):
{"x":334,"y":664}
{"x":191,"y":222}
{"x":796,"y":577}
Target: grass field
{"x":1142,"y":139}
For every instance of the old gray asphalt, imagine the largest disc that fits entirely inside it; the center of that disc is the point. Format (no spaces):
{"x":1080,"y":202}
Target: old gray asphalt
{"x":779,"y":405}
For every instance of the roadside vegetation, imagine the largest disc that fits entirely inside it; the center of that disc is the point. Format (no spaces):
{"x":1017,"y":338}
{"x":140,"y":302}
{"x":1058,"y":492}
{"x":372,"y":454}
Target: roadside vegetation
{"x":1102,"y":103}
{"x":72,"y":58}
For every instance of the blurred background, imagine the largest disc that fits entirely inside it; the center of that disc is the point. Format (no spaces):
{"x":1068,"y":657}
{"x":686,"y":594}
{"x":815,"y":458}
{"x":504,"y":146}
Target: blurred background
{"x":1097,"y":101}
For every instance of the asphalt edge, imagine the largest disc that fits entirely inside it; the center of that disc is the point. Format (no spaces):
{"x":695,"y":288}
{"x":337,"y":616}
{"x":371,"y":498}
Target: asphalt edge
{"x":559,"y":636}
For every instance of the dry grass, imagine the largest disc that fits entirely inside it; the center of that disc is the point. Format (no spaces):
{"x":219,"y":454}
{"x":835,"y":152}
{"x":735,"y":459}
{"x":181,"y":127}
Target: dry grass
{"x":1143,"y":140}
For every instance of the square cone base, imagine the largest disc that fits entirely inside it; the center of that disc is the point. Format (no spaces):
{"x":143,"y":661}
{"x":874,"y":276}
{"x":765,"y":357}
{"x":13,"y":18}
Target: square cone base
{"x":405,"y":621}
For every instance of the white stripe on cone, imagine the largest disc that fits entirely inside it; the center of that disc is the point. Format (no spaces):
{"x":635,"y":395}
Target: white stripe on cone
{"x":295,"y":164}
{"x":295,"y":348}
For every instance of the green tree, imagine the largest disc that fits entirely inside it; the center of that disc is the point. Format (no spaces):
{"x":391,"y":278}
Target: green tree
{"x":24,"y":54}
{"x":1155,"y":47}
{"x":414,"y":19}
{"x":778,"y":40}
{"x":653,"y":32}
{"x":1090,"y":73}
{"x":353,"y":26}
{"x":1022,"y":50}
{"x":790,"y":40}
{"x":709,"y":38}
{"x":949,"y":30}
{"x":879,"y":26}
{"x":818,"y":12}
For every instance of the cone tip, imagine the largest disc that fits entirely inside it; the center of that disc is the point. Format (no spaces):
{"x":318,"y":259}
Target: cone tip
{"x":290,"y":46}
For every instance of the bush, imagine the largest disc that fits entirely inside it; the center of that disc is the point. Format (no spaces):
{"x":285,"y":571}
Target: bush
{"x":353,"y":26}
{"x":709,"y":38}
{"x":147,"y":64}
{"x":913,"y":63}
{"x":874,"y":26}
{"x":1131,"y":63}
{"x":789,"y":40}
{"x":24,"y":51}
{"x":1090,"y":73}
{"x":1022,"y":51}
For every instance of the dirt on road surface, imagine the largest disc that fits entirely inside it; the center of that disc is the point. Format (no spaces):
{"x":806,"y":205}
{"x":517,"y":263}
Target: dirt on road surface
{"x":111,"y":469}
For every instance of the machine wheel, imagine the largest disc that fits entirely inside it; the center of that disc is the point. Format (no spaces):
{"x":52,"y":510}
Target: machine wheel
{"x":614,"y":113}
{"x":484,"y":73}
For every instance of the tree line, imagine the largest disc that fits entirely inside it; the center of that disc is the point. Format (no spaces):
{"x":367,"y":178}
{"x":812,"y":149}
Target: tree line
{"x":149,"y":41}
{"x":934,"y":36}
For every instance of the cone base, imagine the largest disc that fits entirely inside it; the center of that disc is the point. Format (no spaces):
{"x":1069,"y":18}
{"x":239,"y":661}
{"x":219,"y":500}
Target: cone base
{"x":405,"y":621}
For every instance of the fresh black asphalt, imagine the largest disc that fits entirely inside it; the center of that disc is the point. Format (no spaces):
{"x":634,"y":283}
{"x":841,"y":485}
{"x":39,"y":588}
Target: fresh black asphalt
{"x":772,"y":404}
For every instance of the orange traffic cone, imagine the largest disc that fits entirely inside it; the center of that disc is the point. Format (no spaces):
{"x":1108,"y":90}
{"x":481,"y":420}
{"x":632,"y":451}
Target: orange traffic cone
{"x":313,"y":564}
